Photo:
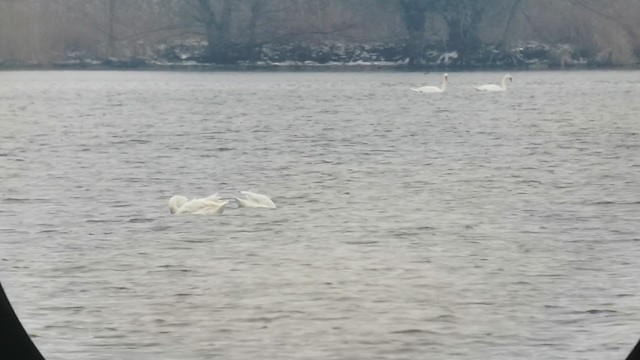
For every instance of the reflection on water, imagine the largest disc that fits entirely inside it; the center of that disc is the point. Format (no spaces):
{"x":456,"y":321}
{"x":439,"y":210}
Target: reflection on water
{"x":408,"y":224}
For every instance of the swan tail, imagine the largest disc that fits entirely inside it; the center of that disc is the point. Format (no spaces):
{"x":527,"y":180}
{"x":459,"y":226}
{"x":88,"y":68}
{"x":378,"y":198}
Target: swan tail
{"x":213,"y":197}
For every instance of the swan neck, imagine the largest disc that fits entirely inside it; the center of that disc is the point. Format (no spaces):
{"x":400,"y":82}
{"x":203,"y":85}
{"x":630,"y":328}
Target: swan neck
{"x":443,"y":86}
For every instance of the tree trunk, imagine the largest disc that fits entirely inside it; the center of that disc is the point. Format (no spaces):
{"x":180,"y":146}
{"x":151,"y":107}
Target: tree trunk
{"x":463,"y":19}
{"x":221,"y":50}
{"x":111,"y":38}
{"x":217,"y":30}
{"x":455,"y":40}
{"x":506,"y":42}
{"x":253,"y":23}
{"x":208,"y":20}
{"x":256,"y":10}
{"x":414,"y":18}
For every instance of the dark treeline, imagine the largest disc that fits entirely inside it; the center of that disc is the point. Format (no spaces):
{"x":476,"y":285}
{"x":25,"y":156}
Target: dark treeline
{"x":409,"y":32}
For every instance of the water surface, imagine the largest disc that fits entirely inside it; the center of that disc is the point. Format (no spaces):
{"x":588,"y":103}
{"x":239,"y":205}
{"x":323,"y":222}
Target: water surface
{"x":410,"y":226}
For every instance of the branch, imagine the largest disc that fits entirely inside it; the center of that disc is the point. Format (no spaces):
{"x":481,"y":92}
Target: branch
{"x":210,"y":15}
{"x":156,"y":30}
{"x":593,"y":10}
{"x":526,"y":17}
{"x":512,"y":14}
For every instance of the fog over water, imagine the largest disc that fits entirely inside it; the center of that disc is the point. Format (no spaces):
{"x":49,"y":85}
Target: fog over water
{"x":409,"y":226}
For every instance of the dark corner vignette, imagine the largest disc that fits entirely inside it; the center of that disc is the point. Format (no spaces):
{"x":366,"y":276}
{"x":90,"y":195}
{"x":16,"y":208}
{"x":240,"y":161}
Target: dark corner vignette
{"x":15,"y":343}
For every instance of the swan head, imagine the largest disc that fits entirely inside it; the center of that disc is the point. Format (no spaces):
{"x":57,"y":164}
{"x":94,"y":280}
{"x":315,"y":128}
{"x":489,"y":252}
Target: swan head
{"x":446,"y":77}
{"x":176,"y":202}
{"x":508,"y":77}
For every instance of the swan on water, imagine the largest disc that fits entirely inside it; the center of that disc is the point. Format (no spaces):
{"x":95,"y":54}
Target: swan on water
{"x":254,"y":200}
{"x":211,"y":205}
{"x":176,"y":202}
{"x":211,"y":208}
{"x":493,"y":87}
{"x":434,"y":89}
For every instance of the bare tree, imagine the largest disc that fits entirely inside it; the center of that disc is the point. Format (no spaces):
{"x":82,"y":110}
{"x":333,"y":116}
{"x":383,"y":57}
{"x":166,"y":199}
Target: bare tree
{"x":111,"y":18}
{"x":414,"y":17}
{"x":216,"y":18}
{"x":463,"y":19}
{"x":48,"y":30}
{"x":513,"y":12}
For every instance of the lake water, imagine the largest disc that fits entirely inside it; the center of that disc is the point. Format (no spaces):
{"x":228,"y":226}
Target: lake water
{"x":460,"y":225}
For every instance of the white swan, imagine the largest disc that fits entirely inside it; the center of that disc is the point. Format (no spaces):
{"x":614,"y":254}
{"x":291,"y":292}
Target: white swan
{"x":211,"y":205}
{"x":176,"y":202}
{"x":211,"y":208}
{"x":493,"y":87}
{"x":254,"y":200}
{"x":434,"y":89}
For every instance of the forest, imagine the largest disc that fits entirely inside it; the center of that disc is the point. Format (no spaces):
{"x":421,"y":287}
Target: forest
{"x":405,"y":33}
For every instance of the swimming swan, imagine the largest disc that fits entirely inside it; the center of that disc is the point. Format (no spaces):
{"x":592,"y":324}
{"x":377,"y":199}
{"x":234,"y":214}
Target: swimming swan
{"x":211,"y":205}
{"x":212,"y":208}
{"x":434,"y":89}
{"x":254,"y":200}
{"x":493,"y":87}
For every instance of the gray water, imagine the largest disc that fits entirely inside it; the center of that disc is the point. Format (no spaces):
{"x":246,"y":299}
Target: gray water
{"x":460,"y":225}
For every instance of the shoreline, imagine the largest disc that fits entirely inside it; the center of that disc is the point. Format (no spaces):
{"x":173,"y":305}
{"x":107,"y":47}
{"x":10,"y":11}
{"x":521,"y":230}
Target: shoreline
{"x":301,"y":67}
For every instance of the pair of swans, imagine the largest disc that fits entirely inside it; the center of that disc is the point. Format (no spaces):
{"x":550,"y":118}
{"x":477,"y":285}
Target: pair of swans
{"x":445,"y":81}
{"x":215,"y":205}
